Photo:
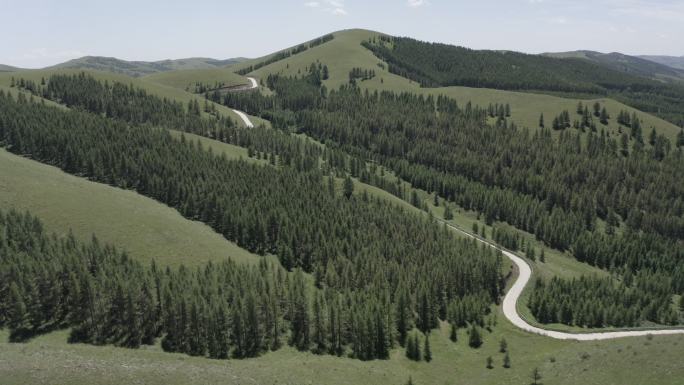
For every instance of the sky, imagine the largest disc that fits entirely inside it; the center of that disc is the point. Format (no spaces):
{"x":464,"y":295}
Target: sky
{"x":39,"y":33}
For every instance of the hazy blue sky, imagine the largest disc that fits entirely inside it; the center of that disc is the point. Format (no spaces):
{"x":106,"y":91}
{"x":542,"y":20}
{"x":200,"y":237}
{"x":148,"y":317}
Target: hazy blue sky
{"x":38,"y":33}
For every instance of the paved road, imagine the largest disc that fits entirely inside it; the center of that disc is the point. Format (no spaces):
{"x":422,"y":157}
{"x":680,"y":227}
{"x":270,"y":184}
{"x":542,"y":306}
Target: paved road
{"x":252,"y":85}
{"x":511,"y":312}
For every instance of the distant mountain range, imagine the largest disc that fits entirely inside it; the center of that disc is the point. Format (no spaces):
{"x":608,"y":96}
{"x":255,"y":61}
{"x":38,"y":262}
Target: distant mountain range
{"x":139,"y":68}
{"x":670,"y":61}
{"x":6,"y":68}
{"x":664,"y":69}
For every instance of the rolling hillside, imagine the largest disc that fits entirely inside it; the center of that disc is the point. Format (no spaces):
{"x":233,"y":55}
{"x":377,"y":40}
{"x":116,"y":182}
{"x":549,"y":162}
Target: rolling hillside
{"x":345,"y":52}
{"x":158,"y":89}
{"x":140,"y":68}
{"x":358,"y":209}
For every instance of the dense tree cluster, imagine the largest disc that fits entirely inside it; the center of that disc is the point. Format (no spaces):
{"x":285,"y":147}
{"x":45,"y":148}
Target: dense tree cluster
{"x":358,"y":73}
{"x":434,"y":64}
{"x":368,"y":255}
{"x":590,"y":301}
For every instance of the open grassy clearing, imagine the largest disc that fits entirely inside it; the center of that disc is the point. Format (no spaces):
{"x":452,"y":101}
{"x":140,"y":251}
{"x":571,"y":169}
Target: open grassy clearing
{"x":49,"y":359}
{"x":186,"y":79}
{"x":157,"y":89}
{"x":142,"y":226}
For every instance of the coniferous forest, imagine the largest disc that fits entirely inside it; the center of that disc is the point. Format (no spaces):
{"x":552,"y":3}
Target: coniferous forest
{"x":372,"y":256}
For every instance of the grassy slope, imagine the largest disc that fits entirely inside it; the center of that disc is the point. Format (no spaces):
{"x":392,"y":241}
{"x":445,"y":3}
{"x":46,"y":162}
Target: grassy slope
{"x":151,"y":87}
{"x":145,"y":228}
{"x":186,"y":79}
{"x":345,"y":52}
{"x":48,"y":359}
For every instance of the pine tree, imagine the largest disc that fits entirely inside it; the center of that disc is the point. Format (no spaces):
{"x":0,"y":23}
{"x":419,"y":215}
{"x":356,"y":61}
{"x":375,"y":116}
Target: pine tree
{"x":503,"y":345}
{"x":542,"y":256}
{"x":453,"y":332}
{"x":680,"y":138}
{"x":448,"y":215}
{"x":541,"y":120}
{"x":490,"y":362}
{"x":348,"y":187}
{"x":604,"y":116}
{"x":427,"y":353}
{"x":597,"y":109}
{"x":507,"y":361}
{"x":536,"y":376}
{"x":474,"y":339}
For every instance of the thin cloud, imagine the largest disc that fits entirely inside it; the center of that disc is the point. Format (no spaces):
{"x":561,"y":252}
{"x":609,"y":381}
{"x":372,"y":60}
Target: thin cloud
{"x":333,"y":7}
{"x":417,"y":3}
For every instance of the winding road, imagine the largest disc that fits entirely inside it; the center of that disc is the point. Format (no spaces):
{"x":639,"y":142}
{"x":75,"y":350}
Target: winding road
{"x":511,"y":299}
{"x":252,"y":85}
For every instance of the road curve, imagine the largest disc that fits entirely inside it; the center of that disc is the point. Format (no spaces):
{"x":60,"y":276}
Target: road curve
{"x":511,"y":299}
{"x":252,"y":85}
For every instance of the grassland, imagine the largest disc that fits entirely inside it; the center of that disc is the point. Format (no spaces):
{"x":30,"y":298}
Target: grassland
{"x":631,"y":361}
{"x":186,"y":79}
{"x":144,"y":227}
{"x":345,"y":52}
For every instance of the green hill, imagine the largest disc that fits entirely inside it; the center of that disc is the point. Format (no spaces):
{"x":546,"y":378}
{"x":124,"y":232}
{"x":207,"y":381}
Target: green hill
{"x":345,"y":52}
{"x":435,"y":64}
{"x":140,"y":68}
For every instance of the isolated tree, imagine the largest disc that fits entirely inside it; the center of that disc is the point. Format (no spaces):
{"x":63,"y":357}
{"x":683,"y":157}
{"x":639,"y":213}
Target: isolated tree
{"x":542,"y":256}
{"x":427,"y":353}
{"x":448,"y":215}
{"x":536,"y":376}
{"x":507,"y":361}
{"x":580,"y":108}
{"x":348,"y":187}
{"x":597,"y":109}
{"x":604,"y":116}
{"x":503,"y":345}
{"x":453,"y":332}
{"x":476,"y":229}
{"x":474,"y":339}
{"x":541,"y":120}
{"x":490,"y":362}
